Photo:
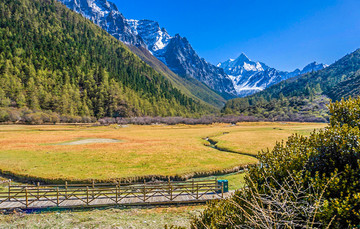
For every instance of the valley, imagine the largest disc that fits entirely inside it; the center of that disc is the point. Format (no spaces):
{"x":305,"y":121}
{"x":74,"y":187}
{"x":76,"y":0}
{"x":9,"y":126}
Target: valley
{"x":119,"y":112}
{"x":54,"y":154}
{"x":158,"y":152}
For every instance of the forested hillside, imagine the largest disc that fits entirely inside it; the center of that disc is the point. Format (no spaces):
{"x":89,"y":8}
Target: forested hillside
{"x":56,"y":60}
{"x":304,"y":97}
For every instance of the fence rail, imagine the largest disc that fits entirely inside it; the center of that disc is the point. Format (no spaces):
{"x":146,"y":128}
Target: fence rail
{"x":73,"y":195}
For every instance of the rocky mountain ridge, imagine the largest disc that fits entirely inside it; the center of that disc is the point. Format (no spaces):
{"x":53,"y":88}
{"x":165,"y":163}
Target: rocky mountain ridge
{"x":250,"y":76}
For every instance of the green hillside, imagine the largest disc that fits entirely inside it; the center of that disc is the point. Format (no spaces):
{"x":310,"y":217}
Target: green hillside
{"x":56,"y":60}
{"x":303,"y":98}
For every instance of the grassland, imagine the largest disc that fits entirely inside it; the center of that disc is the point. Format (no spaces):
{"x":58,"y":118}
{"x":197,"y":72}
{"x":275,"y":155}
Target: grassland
{"x":37,"y":151}
{"x":254,"y":137}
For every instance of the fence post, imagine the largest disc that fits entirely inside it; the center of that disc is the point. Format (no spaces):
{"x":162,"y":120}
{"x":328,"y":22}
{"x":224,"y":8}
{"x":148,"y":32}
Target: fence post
{"x":169,"y":184}
{"x":87,"y":195}
{"x":222,"y":190}
{"x":66,"y":190}
{"x":93,"y":187}
{"x":171,"y":193}
{"x":216,"y":184}
{"x":144,"y":191}
{"x":38,"y":190}
{"x":116,"y":194}
{"x":26,"y":197}
{"x":57,"y":197}
{"x":9,"y":190}
{"x":197,"y":191}
{"x":192,"y":189}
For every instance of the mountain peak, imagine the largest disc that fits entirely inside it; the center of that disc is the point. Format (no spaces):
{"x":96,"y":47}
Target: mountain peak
{"x":240,"y":64}
{"x":252,"y":76}
{"x":313,"y":66}
{"x":243,"y":58}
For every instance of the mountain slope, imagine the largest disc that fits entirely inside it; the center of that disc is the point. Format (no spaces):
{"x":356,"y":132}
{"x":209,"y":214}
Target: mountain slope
{"x":187,"y":85}
{"x":348,"y":87}
{"x":175,"y":52}
{"x":181,"y":58}
{"x":305,"y":93}
{"x":54,"y":59}
{"x":250,"y":77}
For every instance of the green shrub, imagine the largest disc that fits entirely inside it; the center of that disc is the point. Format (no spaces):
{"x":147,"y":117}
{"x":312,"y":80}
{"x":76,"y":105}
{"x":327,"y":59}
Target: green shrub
{"x":4,"y":116}
{"x":345,"y":112}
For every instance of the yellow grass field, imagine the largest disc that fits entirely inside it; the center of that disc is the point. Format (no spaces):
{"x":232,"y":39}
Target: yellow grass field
{"x":50,"y":152}
{"x":254,"y":137}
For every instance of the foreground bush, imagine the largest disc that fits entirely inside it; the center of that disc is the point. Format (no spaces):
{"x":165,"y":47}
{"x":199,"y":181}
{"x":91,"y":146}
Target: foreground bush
{"x":306,"y":182}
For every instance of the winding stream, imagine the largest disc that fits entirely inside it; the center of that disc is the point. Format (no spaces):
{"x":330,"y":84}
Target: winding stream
{"x":213,"y":144}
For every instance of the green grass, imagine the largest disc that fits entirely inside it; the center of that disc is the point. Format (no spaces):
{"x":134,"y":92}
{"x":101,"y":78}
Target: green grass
{"x":109,"y":218}
{"x":236,"y":180}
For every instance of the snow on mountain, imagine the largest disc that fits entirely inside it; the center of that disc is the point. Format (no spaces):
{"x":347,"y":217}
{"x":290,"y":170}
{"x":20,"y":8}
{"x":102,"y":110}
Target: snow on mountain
{"x":314,"y":66}
{"x":250,"y":77}
{"x":106,"y":15}
{"x":155,"y":37}
{"x":175,"y":52}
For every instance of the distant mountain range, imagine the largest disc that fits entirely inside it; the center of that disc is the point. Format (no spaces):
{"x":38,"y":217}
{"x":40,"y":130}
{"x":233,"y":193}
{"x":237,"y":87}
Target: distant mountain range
{"x":233,"y":78}
{"x":250,"y":77}
{"x":303,"y":98}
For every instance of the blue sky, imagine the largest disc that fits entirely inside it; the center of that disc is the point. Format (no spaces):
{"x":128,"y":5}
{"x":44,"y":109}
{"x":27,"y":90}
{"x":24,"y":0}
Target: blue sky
{"x":284,"y":34}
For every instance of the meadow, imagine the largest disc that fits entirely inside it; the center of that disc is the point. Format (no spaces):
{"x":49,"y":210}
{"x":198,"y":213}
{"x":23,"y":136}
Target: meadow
{"x":103,"y":153}
{"x":253,"y":137}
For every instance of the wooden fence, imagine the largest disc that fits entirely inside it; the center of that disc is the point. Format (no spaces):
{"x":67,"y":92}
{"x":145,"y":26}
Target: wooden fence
{"x":76,"y":195}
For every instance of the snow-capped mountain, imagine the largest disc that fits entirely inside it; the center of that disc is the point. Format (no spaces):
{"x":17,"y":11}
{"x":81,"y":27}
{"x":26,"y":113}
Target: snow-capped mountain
{"x":175,"y":52}
{"x":250,"y":76}
{"x":235,"y":77}
{"x":106,"y":15}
